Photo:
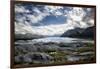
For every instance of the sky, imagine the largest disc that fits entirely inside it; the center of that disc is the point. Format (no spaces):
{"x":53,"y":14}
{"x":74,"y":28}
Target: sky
{"x":51,"y":20}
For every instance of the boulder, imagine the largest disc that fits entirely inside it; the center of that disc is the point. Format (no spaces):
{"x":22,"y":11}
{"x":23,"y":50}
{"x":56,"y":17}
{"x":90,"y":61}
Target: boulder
{"x":33,"y":57}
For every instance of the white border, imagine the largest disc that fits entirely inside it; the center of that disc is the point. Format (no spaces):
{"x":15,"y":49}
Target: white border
{"x":5,"y":33}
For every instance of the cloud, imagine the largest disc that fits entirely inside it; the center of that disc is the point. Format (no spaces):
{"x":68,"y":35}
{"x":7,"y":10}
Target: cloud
{"x":51,"y":29}
{"x":77,"y":14}
{"x":75,"y":17}
{"x":21,"y":28}
{"x":21,"y":9}
{"x":80,"y":17}
{"x":52,"y":8}
{"x":24,"y":15}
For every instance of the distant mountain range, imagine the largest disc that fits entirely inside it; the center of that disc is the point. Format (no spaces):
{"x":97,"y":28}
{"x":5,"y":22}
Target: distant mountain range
{"x":79,"y":32}
{"x":27,"y":36}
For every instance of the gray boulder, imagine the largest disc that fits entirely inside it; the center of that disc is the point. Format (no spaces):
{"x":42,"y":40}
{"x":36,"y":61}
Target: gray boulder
{"x":33,"y":57}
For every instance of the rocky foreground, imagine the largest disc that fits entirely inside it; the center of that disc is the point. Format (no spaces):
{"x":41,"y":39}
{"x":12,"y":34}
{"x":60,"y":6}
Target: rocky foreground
{"x":28,"y":52}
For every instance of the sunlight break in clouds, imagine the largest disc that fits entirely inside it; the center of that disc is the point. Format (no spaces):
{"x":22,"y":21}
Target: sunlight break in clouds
{"x":28,"y":19}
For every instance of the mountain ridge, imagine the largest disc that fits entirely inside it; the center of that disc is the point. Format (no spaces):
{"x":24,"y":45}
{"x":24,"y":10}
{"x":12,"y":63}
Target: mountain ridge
{"x":80,"y":33}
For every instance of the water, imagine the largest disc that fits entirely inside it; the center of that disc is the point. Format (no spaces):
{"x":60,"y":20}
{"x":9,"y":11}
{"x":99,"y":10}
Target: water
{"x":61,"y":39}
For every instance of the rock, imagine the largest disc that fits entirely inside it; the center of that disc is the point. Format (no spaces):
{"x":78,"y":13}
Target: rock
{"x":87,"y":53}
{"x":68,"y":49}
{"x":47,"y":47}
{"x":51,"y":48}
{"x":25,"y":48}
{"x":19,"y":59}
{"x":72,"y":58}
{"x":31,"y":57}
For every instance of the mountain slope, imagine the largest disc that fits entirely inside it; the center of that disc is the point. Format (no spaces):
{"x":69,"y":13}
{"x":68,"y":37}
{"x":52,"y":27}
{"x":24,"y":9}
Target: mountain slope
{"x":79,"y":32}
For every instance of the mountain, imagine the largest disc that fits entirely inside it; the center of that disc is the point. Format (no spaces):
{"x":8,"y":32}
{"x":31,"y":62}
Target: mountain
{"x":27,"y":36}
{"x":80,"y":32}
